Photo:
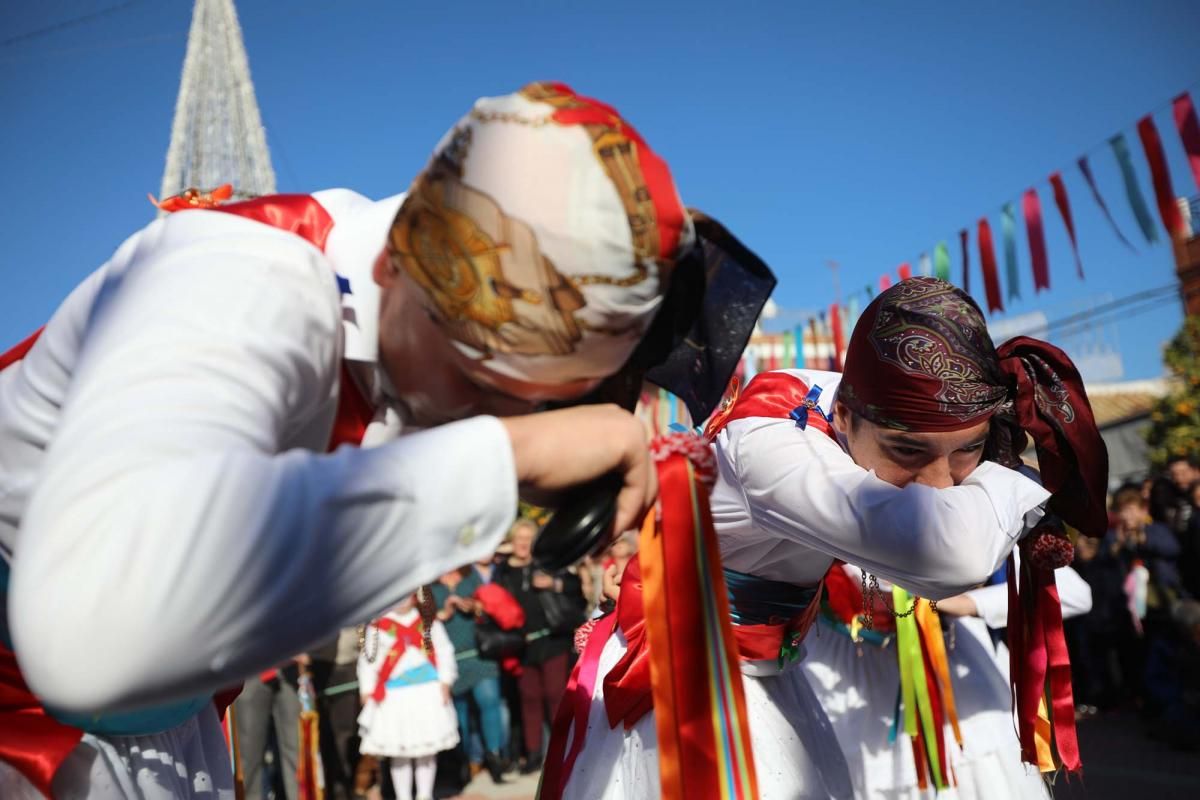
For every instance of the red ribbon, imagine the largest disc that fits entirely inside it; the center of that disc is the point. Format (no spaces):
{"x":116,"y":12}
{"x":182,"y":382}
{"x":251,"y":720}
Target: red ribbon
{"x":1086,"y":169}
{"x":885,"y":283}
{"x":966,"y":259}
{"x":30,"y":740}
{"x":904,"y":271}
{"x":1189,"y":132}
{"x":987,"y":262}
{"x":1037,"y":240}
{"x":1064,"y":209}
{"x":1168,"y":209}
{"x":406,"y":636}
{"x":839,"y":336}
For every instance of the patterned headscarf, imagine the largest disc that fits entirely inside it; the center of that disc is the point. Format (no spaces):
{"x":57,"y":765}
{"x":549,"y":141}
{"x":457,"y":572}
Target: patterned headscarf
{"x":544,"y":232}
{"x":921,"y":359}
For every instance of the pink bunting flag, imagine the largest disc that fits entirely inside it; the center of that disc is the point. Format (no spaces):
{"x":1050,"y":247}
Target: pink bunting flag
{"x":1037,"y":240}
{"x":1168,"y":209}
{"x":987,"y":262}
{"x":885,"y":283}
{"x":1189,"y":132}
{"x":1064,"y":209}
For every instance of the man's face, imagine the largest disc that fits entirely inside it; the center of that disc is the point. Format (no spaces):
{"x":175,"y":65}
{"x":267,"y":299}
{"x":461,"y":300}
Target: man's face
{"x":1132,"y":516}
{"x":436,"y":382}
{"x":1182,"y":475}
{"x":522,"y":542}
{"x":940,"y":460}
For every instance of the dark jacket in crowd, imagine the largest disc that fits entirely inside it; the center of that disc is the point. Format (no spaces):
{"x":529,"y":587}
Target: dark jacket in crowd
{"x":519,"y":582}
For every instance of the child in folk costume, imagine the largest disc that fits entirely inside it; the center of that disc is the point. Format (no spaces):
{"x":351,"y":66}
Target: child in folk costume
{"x":882,"y":465}
{"x":405,"y":674}
{"x":855,"y":675}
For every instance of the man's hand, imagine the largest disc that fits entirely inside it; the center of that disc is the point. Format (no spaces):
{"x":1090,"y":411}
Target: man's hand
{"x":612,"y":583}
{"x":958,"y":606}
{"x":557,"y":450}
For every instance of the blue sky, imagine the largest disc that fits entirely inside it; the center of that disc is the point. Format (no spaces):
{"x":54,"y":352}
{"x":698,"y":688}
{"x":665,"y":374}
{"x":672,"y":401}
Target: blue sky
{"x":861,"y":134}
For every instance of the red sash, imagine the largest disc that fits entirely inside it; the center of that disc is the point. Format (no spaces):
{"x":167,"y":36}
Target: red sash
{"x":406,"y":636}
{"x":32,"y":741}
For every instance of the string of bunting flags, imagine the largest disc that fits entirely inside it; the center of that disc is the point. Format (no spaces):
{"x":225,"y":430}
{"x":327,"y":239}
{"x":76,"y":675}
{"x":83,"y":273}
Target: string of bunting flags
{"x":820,"y":343}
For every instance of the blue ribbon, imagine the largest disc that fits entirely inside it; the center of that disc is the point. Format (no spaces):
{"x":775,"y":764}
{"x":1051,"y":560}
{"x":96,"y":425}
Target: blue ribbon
{"x":343,"y":284}
{"x":759,"y":601}
{"x":425,"y":673}
{"x":800,"y":412}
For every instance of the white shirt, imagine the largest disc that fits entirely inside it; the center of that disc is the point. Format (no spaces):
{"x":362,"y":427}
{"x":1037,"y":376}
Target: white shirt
{"x":171,"y":519}
{"x":788,"y":501}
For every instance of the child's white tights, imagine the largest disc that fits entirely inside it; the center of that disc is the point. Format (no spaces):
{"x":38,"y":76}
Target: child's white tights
{"x":402,"y":777}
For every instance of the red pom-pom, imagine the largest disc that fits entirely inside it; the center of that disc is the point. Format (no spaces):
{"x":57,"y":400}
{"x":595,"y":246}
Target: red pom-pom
{"x":1049,"y":548}
{"x":691,"y":447}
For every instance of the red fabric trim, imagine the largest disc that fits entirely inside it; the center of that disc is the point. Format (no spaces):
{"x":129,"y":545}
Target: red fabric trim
{"x":1064,"y":210}
{"x":1189,"y":133}
{"x":669,"y":213}
{"x":769,"y":394}
{"x":1037,"y":240}
{"x":987,"y":263}
{"x":300,"y":214}
{"x":30,"y":740}
{"x":1168,"y":209}
{"x":18,"y":352}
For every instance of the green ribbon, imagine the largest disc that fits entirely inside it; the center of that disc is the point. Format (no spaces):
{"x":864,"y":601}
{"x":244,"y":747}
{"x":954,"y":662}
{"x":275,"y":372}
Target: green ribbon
{"x":798,"y":340}
{"x":941,"y":262}
{"x":914,"y":686}
{"x":1136,"y":201}
{"x":1008,"y":224}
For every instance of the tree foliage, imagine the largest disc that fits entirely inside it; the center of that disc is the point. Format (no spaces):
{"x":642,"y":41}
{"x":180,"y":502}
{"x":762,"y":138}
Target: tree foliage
{"x":1175,"y":419}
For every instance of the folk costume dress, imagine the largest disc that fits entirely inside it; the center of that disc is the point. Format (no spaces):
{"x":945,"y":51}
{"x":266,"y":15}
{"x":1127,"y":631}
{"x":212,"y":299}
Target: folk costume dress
{"x":855,"y":676}
{"x":406,"y":714}
{"x":787,"y":501}
{"x":170,"y":518}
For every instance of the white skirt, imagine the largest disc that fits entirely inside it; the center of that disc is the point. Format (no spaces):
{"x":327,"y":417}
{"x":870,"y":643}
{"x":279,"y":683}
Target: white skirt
{"x":410,"y":722}
{"x":796,"y":755}
{"x":857,"y":687}
{"x":188,"y":761}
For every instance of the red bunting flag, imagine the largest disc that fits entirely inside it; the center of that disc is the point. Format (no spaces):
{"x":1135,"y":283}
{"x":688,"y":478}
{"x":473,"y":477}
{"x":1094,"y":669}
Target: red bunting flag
{"x":1064,"y":209}
{"x":962,"y":239}
{"x":904,"y":271}
{"x":885,"y":283}
{"x":1037,"y":240}
{"x":1189,"y":132}
{"x":987,"y":261}
{"x":1168,"y":209}
{"x":839,"y":336}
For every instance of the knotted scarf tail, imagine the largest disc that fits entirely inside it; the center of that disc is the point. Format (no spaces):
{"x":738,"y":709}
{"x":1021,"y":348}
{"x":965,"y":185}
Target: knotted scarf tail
{"x":1040,"y":668}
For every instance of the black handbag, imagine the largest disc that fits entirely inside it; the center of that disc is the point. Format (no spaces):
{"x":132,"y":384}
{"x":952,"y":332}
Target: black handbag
{"x":564,"y":612}
{"x":495,"y":643}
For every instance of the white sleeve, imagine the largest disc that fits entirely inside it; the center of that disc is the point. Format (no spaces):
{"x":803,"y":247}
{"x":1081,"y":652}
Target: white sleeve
{"x":169,"y":546}
{"x":1074,"y":594}
{"x":443,"y":650}
{"x":801,"y":486}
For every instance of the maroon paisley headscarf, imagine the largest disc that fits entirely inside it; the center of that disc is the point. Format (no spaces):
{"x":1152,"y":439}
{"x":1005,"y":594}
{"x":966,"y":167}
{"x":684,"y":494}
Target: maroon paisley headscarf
{"x":921,"y":359}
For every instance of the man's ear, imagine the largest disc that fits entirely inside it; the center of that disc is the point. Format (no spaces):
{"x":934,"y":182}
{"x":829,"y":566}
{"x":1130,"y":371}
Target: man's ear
{"x":843,"y":417}
{"x":383,"y":272}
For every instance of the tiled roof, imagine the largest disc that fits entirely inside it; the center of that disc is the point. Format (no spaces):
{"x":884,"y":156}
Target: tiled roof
{"x":1116,"y":402}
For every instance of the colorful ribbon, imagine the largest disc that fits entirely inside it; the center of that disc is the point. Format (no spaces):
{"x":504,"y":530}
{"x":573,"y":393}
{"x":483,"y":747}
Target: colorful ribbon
{"x":1086,"y":169}
{"x":798,"y":340}
{"x":1120,"y":149}
{"x":1064,"y":210}
{"x":987,"y":263}
{"x":1008,"y":228}
{"x":1160,"y":176}
{"x":839,"y":336}
{"x":1037,"y":240}
{"x":1189,"y":132}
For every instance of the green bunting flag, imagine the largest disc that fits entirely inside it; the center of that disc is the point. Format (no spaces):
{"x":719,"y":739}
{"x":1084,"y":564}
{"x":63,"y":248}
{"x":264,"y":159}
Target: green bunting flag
{"x":1120,"y":149}
{"x":1008,"y":225}
{"x":798,"y":339}
{"x":941,"y":262}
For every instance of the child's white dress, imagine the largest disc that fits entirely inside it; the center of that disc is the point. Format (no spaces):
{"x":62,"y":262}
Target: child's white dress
{"x":412,"y":718}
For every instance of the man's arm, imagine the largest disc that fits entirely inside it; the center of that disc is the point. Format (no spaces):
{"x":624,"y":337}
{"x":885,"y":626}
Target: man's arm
{"x":802,"y":487}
